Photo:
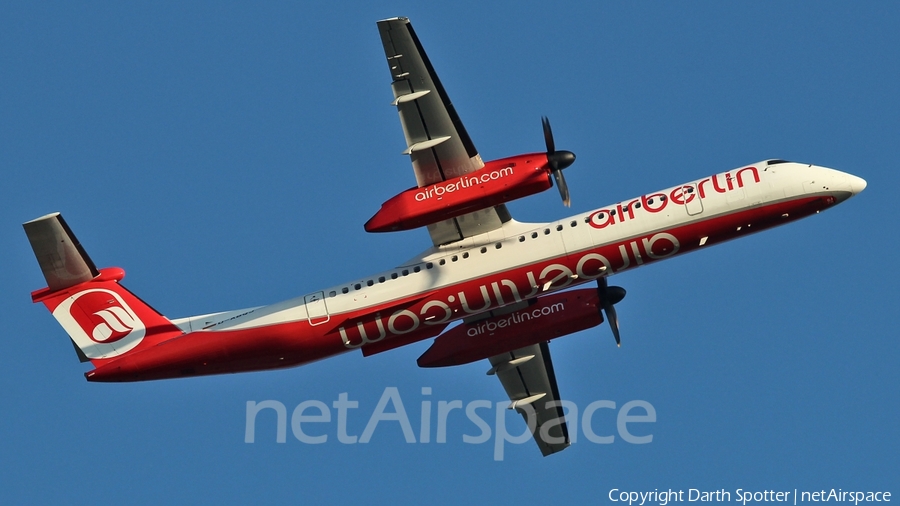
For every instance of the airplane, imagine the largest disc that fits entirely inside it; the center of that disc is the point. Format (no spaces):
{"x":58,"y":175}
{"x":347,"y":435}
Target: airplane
{"x":488,"y":288}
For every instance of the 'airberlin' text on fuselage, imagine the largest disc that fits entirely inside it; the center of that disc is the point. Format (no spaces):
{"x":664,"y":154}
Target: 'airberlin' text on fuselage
{"x":516,"y":285}
{"x":682,"y":195}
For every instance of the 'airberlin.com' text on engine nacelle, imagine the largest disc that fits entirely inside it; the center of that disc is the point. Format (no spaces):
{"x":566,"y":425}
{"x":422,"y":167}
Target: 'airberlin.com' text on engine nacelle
{"x":549,"y":317}
{"x":497,"y":182}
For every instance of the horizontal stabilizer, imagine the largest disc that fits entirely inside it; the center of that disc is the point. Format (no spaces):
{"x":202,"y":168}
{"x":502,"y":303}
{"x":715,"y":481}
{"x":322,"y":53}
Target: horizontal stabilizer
{"x":61,"y":257}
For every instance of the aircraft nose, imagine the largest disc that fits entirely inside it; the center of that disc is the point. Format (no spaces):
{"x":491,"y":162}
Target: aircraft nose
{"x":844,"y":185}
{"x":857,"y":184}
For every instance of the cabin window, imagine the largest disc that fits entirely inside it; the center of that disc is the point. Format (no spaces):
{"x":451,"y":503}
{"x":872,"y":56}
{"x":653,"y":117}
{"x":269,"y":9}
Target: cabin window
{"x":345,"y":290}
{"x":483,"y":250}
{"x":466,"y":254}
{"x":662,"y":198}
{"x":587,"y":219}
{"x":442,"y":262}
{"x":357,"y":286}
{"x":691,"y":189}
{"x":332,"y":293}
{"x":534,"y":235}
{"x":381,"y":279}
{"x":546,"y":231}
{"x":521,"y":238}
{"x":417,"y":269}
{"x":499,"y":245}
{"x":637,"y":205}
{"x":393,"y":275}
{"x":559,"y":227}
{"x":573,"y":224}
{"x":650,"y":201}
{"x":454,"y":258}
{"x":429,"y":265}
{"x":370,"y":283}
{"x":405,"y":272}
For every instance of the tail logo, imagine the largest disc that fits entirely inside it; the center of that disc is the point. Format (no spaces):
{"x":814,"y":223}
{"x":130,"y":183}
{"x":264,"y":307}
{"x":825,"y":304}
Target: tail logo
{"x":101,"y":323}
{"x":117,"y":323}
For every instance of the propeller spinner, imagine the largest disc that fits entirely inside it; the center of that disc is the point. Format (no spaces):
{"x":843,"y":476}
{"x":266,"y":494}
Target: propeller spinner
{"x":558,"y":160}
{"x":609,"y":296}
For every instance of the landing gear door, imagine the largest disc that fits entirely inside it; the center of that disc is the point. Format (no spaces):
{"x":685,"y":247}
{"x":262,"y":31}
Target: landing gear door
{"x":692,"y":202}
{"x":316,"y":308}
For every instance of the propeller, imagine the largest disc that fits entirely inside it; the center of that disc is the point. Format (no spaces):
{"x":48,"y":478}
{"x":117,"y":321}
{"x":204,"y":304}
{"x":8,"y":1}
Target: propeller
{"x":609,"y":296}
{"x":558,"y":160}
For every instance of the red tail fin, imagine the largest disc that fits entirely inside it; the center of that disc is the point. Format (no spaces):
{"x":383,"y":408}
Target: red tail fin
{"x":104,"y":319}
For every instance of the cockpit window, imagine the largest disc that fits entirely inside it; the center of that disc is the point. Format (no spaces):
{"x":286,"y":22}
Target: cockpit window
{"x":776,"y":162}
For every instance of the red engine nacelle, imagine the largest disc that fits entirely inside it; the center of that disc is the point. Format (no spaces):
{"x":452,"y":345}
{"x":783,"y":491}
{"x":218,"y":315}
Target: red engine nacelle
{"x":497,"y":182}
{"x":550,"y":317}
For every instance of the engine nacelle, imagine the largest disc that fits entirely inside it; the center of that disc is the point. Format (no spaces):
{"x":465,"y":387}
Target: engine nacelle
{"x":497,"y":182}
{"x":550,"y":317}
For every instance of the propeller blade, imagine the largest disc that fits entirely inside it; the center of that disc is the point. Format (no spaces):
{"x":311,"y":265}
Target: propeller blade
{"x":613,"y":320}
{"x":563,"y":187}
{"x":557,"y":160}
{"x":548,"y":135}
{"x":609,"y":296}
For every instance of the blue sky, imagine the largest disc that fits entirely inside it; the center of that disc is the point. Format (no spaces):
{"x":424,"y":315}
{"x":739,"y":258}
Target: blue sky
{"x":227,"y":155}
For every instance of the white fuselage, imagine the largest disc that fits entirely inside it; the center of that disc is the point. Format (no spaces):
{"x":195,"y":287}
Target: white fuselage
{"x":638,"y":230}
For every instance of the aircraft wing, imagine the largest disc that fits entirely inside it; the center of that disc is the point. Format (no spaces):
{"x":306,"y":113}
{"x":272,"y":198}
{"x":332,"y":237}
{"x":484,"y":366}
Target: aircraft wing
{"x":531,"y":384}
{"x":437,"y":141}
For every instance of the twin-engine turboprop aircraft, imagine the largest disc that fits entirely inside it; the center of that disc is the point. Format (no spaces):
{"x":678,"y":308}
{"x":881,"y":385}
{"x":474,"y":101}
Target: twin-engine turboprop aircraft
{"x":504,"y":281}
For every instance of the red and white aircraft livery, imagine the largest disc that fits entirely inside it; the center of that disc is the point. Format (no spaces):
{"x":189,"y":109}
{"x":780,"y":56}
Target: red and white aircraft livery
{"x":507,"y":283}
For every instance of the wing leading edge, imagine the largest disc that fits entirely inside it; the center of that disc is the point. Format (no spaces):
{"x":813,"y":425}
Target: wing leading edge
{"x":437,"y":142}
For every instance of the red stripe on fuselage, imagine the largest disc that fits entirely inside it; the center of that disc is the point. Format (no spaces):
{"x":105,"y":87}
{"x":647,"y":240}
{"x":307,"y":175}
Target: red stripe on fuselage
{"x":297,"y":343}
